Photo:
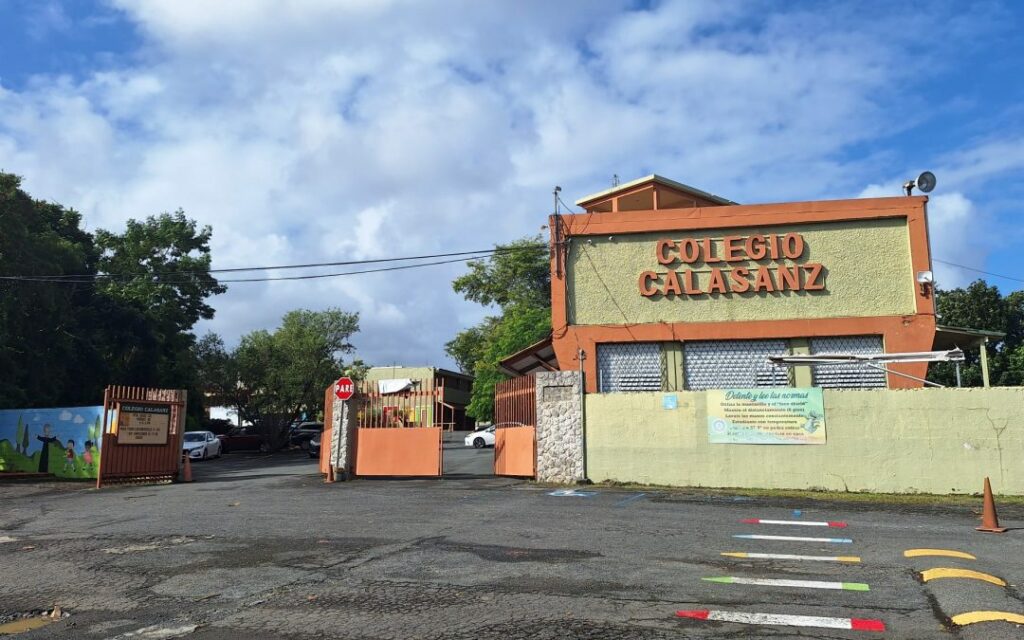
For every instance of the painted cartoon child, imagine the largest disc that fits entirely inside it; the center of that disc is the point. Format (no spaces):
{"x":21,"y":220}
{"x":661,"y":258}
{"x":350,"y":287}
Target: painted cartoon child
{"x":69,"y":456}
{"x":87,"y":456}
{"x":44,"y":455}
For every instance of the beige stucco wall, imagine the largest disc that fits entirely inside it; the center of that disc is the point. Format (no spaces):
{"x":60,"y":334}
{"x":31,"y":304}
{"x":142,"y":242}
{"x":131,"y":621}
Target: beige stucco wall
{"x":867,"y":263}
{"x":915,"y":440}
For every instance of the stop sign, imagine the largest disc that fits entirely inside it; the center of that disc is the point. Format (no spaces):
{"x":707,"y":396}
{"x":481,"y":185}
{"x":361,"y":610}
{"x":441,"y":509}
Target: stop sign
{"x":344,"y":388}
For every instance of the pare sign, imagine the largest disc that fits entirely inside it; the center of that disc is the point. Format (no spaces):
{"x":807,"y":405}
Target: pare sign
{"x":734,"y":264}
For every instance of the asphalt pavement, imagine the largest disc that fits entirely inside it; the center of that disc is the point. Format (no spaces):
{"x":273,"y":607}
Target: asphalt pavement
{"x":260,"y":547}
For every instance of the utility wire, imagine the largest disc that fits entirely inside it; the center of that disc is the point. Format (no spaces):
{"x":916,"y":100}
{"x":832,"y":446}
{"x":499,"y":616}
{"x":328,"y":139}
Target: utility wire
{"x":174,"y":277}
{"x":988,"y":273}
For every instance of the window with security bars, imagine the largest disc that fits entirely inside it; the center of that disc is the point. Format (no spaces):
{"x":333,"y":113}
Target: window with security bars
{"x":734,"y":364}
{"x":847,"y":376}
{"x":630,"y":366}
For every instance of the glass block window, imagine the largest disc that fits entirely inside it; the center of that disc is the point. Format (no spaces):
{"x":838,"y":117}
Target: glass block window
{"x":847,"y":376}
{"x":629,"y":366}
{"x":734,"y":364}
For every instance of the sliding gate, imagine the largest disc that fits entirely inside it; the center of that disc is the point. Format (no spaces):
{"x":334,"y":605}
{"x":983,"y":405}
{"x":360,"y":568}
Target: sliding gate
{"x":396,"y":435}
{"x":515,"y":435}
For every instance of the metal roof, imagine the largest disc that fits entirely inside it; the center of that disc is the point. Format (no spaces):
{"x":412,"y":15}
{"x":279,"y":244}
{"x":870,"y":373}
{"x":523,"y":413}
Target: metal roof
{"x":679,"y":186}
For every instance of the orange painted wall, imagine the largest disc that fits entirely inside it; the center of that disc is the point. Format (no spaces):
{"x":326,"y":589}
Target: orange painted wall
{"x":398,"y":452}
{"x":515,"y":451}
{"x":913,"y":332}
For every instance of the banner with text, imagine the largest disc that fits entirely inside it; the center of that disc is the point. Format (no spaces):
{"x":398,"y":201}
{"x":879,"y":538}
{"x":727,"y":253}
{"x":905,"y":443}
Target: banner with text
{"x":766,"y":416}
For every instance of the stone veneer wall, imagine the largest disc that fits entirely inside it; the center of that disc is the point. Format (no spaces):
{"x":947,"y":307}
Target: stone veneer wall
{"x":560,"y":447}
{"x":343,"y":431}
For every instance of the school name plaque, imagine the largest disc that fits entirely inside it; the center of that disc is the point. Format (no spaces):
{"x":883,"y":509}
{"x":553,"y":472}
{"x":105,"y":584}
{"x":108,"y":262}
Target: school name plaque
{"x":143,"y":423}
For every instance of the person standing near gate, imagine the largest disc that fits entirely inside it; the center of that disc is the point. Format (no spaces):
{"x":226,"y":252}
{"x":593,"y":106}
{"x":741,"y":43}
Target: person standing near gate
{"x":44,"y":455}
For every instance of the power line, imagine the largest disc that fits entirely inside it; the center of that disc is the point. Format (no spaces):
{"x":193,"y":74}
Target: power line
{"x":175,"y":277}
{"x":988,"y":273}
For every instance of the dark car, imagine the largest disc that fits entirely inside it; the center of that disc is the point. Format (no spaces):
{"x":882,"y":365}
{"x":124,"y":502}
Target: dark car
{"x":302,"y":432}
{"x":314,"y":446}
{"x":243,"y":439}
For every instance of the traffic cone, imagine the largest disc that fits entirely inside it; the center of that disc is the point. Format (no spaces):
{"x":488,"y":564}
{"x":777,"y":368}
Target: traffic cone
{"x":989,"y":517}
{"x":187,"y":471}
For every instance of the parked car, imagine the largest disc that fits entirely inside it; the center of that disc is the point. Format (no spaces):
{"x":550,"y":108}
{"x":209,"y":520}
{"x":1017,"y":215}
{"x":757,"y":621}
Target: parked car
{"x":314,"y":446}
{"x":243,"y":439}
{"x":200,"y":445}
{"x":483,"y":437}
{"x":302,"y":432}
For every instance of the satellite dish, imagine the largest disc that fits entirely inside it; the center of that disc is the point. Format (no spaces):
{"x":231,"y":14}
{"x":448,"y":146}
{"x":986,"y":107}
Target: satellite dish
{"x":926,"y":182}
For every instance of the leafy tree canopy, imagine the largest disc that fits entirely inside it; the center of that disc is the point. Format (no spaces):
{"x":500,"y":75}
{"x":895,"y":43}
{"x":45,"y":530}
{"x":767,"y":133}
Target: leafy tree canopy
{"x":982,"y":306}
{"x":516,"y":279}
{"x":270,"y":378}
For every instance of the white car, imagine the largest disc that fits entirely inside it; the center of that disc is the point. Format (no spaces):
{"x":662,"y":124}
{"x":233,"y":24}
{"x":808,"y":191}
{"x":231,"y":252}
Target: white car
{"x":200,"y":445}
{"x":483,"y":437}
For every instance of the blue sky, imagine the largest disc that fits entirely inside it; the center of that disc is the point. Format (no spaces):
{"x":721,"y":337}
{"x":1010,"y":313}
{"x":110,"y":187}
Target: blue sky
{"x":329,"y":130}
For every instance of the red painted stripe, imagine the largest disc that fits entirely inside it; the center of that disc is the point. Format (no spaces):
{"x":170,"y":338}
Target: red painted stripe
{"x":841,"y":525}
{"x":699,"y":614}
{"x":865,"y":624}
{"x":750,"y":521}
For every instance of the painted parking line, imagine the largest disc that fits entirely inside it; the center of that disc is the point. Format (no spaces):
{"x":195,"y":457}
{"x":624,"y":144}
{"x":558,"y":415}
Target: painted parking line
{"x":751,"y":536}
{"x":787,"y":556}
{"x":972,"y":617}
{"x":741,"y":617}
{"x":797,"y":523}
{"x":796,"y":584}
{"x":939,"y":573}
{"x":945,"y":553}
{"x":572,"y":493}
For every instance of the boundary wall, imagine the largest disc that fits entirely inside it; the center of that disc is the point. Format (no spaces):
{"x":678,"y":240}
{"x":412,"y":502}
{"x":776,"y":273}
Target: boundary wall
{"x":889,"y":441}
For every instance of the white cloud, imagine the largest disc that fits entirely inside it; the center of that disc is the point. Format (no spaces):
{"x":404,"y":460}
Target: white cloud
{"x":327,"y":131}
{"x":65,"y":416}
{"x":79,"y":419}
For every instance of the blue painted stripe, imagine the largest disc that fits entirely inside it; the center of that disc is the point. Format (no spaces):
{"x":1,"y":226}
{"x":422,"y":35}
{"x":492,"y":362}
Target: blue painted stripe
{"x":630,"y":499}
{"x":751,"y":536}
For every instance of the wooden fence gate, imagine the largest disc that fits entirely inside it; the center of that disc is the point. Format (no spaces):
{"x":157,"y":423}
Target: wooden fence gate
{"x":515,"y":435}
{"x":142,"y":435}
{"x":399,"y":434}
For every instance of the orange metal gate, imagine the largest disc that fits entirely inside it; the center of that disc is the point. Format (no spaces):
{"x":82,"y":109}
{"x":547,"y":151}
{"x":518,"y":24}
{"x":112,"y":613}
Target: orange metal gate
{"x":515,"y":438}
{"x":397,"y":435}
{"x":325,"y":439}
{"x":126,"y":462}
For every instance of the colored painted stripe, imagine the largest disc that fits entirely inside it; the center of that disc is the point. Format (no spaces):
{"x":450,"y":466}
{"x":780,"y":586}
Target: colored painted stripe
{"x":786,"y":556}
{"x":750,"y":536}
{"x":939,"y":573}
{"x":796,"y":584}
{"x":858,"y":624}
{"x":630,"y":499}
{"x":945,"y":553}
{"x":972,"y":617}
{"x":797,"y":523}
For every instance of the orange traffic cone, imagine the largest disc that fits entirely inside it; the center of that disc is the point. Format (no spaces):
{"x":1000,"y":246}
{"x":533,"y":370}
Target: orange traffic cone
{"x":989,"y":517}
{"x":187,"y":471}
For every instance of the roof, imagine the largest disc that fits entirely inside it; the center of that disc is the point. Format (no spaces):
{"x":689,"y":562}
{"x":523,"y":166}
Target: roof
{"x":539,"y":356}
{"x":678,"y":186}
{"x":947,"y":337}
{"x":436,"y":371}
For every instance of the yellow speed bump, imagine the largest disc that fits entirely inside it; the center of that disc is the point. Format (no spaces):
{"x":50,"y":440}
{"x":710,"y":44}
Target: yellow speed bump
{"x":986,"y":616}
{"x":947,"y":572}
{"x":945,"y":553}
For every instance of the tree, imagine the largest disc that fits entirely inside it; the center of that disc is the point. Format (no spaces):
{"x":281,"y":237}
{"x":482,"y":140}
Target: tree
{"x":271,"y":378}
{"x":517,"y":280}
{"x":982,"y":306}
{"x":112,"y":309}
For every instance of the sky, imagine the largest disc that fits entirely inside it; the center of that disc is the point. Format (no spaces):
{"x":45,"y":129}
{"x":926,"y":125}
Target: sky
{"x":328,"y":130}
